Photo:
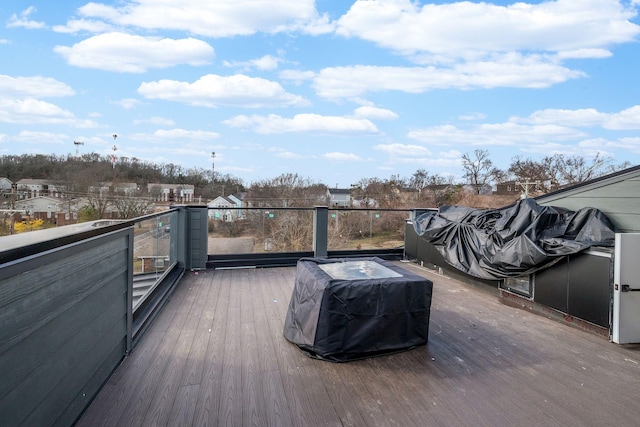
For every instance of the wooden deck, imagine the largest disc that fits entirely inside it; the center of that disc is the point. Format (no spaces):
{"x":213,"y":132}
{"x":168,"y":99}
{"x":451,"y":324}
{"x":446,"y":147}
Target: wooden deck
{"x":216,"y":357}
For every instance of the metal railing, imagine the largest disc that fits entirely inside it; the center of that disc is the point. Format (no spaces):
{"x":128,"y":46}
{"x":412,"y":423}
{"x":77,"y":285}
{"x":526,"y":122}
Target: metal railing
{"x":240,"y":237}
{"x":92,"y":290}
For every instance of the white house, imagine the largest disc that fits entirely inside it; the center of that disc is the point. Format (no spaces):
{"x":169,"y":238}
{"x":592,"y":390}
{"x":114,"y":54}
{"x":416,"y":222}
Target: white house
{"x":5,"y":185}
{"x":42,"y":204}
{"x":339,"y":197}
{"x":179,"y":193}
{"x":28,"y":188}
{"x":226,"y":208}
{"x":126,"y":188}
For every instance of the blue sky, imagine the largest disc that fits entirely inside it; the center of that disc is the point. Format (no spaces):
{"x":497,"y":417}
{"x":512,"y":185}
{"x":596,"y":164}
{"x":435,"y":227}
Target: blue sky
{"x":332,"y":90}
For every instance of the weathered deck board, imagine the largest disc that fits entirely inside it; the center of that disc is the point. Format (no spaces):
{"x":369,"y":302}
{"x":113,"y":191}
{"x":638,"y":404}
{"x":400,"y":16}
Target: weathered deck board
{"x":216,"y":356}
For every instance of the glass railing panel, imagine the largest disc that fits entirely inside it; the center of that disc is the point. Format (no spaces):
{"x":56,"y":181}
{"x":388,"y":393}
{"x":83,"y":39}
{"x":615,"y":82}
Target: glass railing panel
{"x":254,"y":230}
{"x":153,"y":252}
{"x":366,"y":229}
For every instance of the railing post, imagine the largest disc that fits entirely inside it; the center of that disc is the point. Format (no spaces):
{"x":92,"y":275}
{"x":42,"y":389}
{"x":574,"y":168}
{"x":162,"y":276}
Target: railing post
{"x":320,"y":231}
{"x":198,"y":237}
{"x":178,"y":235}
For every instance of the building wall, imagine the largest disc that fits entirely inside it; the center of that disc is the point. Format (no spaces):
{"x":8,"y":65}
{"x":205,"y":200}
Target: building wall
{"x":618,"y":199}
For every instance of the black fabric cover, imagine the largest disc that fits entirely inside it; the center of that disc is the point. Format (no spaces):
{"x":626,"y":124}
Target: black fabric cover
{"x":513,"y":241}
{"x":343,"y":320}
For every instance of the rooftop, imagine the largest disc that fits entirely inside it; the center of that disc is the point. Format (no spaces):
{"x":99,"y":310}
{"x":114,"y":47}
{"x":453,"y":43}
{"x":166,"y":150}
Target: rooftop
{"x":216,"y":356}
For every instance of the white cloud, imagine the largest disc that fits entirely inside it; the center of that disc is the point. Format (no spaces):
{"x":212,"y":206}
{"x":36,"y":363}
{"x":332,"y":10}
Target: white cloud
{"x":459,"y":29}
{"x":585,"y":117}
{"x":126,"y":53}
{"x":297,"y":76}
{"x":264,"y":63}
{"x":469,"y":45}
{"x":45,"y":138}
{"x":176,"y":136}
{"x":4,"y":41}
{"x":211,"y":18}
{"x":89,"y":25}
{"x":284,"y":154}
{"x":213,"y":90}
{"x":511,"y":70}
{"x":403,"y":150}
{"x":22,"y":20}
{"x":584,"y":53}
{"x":579,"y":118}
{"x":32,"y":111}
{"x":336,"y":156}
{"x":302,"y":123}
{"x":33,"y":87}
{"x":369,"y":112}
{"x":127,"y":103}
{"x":490,"y":134}
{"x":626,"y":119}
{"x":418,"y":155}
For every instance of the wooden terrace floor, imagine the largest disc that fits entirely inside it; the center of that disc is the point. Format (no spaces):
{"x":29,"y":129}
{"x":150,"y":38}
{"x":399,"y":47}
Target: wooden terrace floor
{"x":216,"y":357}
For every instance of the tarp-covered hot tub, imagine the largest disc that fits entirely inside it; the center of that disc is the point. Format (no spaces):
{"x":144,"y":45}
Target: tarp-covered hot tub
{"x":347,"y":309}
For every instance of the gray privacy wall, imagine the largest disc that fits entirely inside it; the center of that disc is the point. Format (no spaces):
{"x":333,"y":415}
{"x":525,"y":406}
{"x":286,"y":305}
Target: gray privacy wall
{"x":616,"y":195}
{"x":64,"y":322}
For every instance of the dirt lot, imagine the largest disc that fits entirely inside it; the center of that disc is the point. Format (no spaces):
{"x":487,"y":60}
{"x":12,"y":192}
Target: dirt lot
{"x":230,"y":245}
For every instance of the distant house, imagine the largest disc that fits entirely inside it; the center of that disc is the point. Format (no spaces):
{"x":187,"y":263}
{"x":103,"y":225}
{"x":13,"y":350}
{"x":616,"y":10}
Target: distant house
{"x":43,"y":207}
{"x":226,"y":208}
{"x":508,"y":188}
{"x":5,"y":185}
{"x":338,"y":197}
{"x":178,"y":193}
{"x":28,"y":188}
{"x":126,"y":188}
{"x":513,"y":187}
{"x":101,"y":188}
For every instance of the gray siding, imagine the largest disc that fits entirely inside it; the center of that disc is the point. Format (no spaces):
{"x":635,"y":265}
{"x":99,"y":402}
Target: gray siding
{"x":63,"y":328}
{"x":198,"y":237}
{"x":619,"y":200}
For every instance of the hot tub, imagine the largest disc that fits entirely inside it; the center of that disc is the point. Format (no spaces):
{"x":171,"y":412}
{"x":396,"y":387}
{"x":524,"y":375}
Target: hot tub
{"x":353,"y":308}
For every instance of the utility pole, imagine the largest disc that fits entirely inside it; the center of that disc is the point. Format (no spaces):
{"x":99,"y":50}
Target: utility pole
{"x":525,"y":186}
{"x":213,"y":174}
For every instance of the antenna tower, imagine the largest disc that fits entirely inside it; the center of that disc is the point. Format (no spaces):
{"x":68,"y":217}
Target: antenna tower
{"x":78,"y":144}
{"x":114,"y":148}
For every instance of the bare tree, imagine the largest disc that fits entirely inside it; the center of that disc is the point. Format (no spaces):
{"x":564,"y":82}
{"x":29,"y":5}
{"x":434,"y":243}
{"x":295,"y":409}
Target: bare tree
{"x":479,"y":170}
{"x":558,"y":170}
{"x":131,"y":207}
{"x":155,"y":192}
{"x":577,"y":169}
{"x":98,"y":199}
{"x":286,"y":190}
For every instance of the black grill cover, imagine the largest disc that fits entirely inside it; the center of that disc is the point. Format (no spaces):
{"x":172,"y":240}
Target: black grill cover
{"x":513,"y":241}
{"x":339,"y":319}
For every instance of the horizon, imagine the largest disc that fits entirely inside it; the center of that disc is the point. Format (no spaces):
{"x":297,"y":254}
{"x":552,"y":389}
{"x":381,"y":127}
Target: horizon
{"x":332,"y":91}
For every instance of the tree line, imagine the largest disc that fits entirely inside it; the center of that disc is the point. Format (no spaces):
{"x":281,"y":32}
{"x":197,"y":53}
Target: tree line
{"x":78,"y":174}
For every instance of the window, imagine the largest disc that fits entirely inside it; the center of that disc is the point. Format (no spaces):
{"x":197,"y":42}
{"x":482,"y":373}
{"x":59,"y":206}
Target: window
{"x":519,"y":285}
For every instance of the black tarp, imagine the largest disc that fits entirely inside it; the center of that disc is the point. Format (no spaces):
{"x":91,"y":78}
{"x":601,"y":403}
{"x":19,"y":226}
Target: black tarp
{"x":376,"y":308}
{"x":513,"y":241}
